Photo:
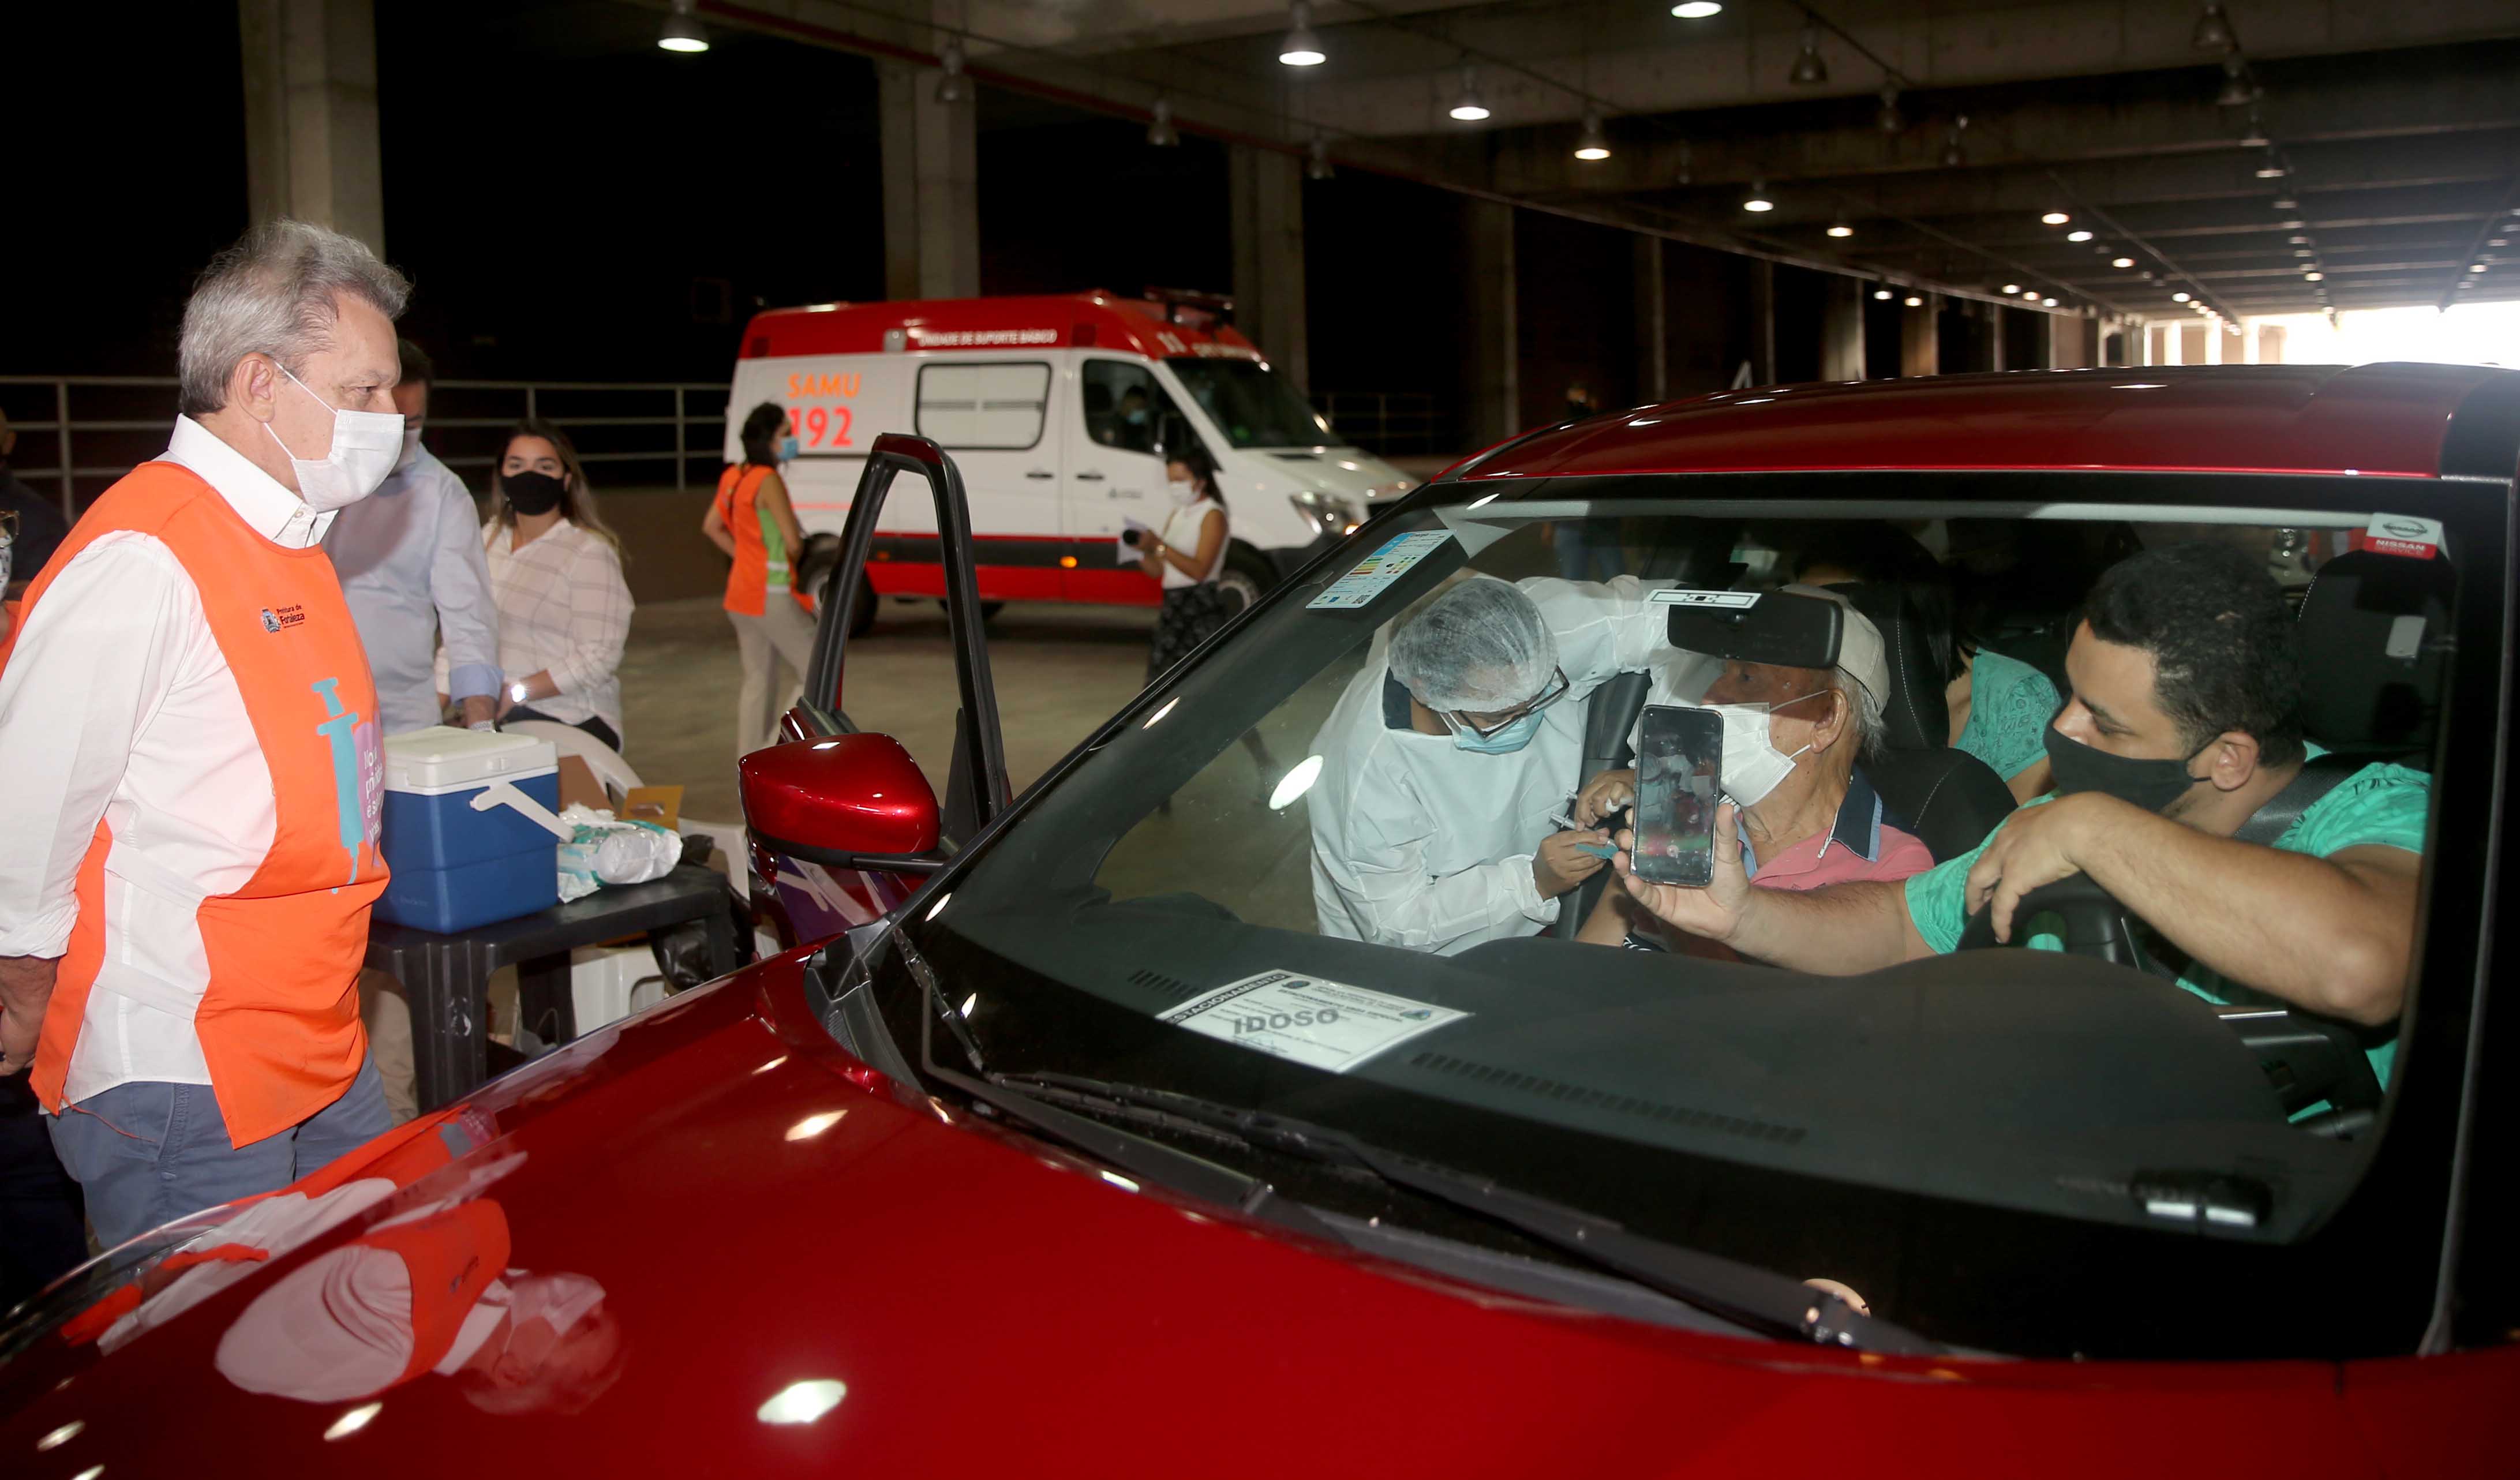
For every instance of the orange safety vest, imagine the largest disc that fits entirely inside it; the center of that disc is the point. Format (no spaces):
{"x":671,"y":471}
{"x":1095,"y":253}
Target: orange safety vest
{"x":279,"y":1018}
{"x":760,"y":551}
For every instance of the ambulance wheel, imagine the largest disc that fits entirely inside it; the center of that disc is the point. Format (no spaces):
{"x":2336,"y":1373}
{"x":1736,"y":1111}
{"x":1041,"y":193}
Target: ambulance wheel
{"x":1247,"y":573}
{"x":862,"y":611}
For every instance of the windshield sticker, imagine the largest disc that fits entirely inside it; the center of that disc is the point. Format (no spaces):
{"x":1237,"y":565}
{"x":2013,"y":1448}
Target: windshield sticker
{"x":1734,"y":601}
{"x":1374,"y":575}
{"x":2403,"y":534}
{"x":1325,"y":1024}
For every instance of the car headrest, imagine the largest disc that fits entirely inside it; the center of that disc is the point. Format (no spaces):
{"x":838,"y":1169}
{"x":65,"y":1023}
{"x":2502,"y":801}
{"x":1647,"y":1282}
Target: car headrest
{"x":1914,"y":714}
{"x":2374,"y":630}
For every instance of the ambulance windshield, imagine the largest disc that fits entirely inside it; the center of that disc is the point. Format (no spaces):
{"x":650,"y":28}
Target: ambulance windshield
{"x":1251,"y":404}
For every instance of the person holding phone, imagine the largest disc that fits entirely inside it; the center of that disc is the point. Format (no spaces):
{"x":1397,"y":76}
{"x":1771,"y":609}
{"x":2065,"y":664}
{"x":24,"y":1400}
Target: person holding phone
{"x":1184,"y":553}
{"x":1792,"y":743}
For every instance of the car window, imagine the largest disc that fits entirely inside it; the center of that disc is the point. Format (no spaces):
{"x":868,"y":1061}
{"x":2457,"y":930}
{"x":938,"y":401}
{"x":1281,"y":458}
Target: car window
{"x":980,"y":407}
{"x":1301,"y":822}
{"x":1124,"y":407}
{"x":1250,"y":403}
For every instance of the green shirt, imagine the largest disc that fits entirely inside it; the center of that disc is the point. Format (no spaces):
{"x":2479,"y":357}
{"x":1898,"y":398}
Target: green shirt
{"x":2011,"y":704}
{"x":2383,"y":805}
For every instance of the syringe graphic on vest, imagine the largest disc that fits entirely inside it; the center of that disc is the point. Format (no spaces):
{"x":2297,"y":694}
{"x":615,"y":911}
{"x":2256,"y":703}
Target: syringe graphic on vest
{"x":339,"y":729}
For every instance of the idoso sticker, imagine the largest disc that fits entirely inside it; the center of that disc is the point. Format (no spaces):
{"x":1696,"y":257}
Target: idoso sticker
{"x":1327,"y":1024}
{"x":1373,"y":575}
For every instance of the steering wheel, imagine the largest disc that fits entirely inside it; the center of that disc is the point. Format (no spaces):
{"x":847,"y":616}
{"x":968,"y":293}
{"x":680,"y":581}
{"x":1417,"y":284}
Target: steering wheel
{"x":2095,"y":923}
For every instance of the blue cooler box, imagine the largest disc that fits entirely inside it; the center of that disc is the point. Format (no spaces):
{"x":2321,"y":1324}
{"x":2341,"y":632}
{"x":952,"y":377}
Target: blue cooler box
{"x":456,"y":866}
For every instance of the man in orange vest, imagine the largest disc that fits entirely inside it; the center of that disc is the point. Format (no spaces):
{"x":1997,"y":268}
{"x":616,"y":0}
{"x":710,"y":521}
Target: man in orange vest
{"x":187,"y":830}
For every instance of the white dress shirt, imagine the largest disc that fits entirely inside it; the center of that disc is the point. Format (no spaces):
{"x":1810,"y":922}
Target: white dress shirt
{"x":562,"y":607}
{"x":411,"y":565}
{"x":118,"y":704}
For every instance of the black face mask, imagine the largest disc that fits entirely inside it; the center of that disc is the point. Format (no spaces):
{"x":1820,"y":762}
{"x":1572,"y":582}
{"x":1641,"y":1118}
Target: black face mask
{"x":2152,"y":784}
{"x":531,"y":493}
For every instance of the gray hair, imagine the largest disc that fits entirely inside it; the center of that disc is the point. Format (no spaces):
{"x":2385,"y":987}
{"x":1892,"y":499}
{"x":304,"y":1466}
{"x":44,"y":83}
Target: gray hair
{"x":274,"y":293}
{"x":1866,"y":716}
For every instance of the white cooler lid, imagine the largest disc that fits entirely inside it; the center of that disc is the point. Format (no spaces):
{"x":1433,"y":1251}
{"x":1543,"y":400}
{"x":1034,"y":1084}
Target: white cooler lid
{"x":442,"y":756}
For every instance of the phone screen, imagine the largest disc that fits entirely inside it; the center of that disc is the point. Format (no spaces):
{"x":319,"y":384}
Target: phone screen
{"x":1680,"y":760}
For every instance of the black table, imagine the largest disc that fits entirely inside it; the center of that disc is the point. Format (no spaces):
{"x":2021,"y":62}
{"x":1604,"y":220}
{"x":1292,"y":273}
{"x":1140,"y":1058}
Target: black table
{"x":447,"y":978}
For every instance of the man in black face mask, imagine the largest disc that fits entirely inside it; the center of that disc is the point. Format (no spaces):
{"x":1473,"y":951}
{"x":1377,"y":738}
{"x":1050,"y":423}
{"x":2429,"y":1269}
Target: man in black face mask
{"x":2183,"y":721}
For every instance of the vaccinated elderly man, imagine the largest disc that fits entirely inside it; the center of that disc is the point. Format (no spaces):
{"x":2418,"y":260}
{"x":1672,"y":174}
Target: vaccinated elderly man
{"x":188,"y":831}
{"x":1449,"y":766}
{"x":2183,"y":723}
{"x":411,"y":565}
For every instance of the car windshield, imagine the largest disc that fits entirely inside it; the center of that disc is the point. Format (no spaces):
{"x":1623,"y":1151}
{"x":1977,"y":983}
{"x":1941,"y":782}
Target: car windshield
{"x":1345,"y":865}
{"x":1250,"y":403}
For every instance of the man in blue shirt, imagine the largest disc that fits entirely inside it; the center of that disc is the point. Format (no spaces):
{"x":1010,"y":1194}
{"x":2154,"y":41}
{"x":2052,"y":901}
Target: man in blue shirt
{"x":411,"y":565}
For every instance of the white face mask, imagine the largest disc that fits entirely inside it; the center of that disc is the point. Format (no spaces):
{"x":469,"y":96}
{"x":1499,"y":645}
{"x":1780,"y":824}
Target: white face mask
{"x":410,"y":448}
{"x":1753,"y":766}
{"x":365,"y":447}
{"x":1185,"y":492}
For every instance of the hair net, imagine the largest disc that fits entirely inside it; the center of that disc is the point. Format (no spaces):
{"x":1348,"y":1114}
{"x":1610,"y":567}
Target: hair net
{"x":1478,"y":648}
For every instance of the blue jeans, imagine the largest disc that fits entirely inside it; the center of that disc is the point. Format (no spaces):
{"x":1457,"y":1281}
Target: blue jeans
{"x":148,"y":1153}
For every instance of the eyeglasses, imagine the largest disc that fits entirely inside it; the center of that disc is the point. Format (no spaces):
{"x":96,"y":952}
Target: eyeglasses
{"x":1556,"y":689}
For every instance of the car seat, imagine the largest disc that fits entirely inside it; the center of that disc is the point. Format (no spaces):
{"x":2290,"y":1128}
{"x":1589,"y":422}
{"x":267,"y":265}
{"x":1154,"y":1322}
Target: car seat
{"x":1949,"y":798}
{"x":2374,"y":630}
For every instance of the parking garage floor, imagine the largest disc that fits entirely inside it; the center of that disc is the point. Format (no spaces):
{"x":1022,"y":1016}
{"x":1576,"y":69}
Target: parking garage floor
{"x":1060,"y":671}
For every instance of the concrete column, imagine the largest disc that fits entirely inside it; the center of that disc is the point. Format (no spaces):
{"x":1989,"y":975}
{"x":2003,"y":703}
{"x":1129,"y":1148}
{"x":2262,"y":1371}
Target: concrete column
{"x":1841,"y":329}
{"x":1495,"y":383}
{"x":932,"y":199}
{"x":1986,"y":336}
{"x":1762,"y":321}
{"x":1267,"y":190}
{"x":1920,"y":339}
{"x":1653,"y":324}
{"x":1995,"y":325}
{"x":2073,"y":342}
{"x":310,"y":114}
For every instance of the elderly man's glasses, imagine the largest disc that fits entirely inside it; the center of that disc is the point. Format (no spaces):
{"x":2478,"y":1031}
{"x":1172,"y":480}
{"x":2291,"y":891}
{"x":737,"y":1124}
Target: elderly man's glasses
{"x":1552,"y":693}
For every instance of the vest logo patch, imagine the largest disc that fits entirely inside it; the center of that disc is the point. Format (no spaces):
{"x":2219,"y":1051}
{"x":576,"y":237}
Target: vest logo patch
{"x":286,"y":616}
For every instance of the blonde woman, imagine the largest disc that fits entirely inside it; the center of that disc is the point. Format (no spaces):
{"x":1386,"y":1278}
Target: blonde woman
{"x":555,"y":573}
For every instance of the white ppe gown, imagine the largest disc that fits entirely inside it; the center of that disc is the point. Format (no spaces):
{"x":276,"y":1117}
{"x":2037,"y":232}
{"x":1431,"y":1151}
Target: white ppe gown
{"x":1420,"y":845}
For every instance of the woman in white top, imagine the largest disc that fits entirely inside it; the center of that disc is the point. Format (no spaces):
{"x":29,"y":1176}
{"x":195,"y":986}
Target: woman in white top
{"x":556,"y":572}
{"x":1184,"y":553}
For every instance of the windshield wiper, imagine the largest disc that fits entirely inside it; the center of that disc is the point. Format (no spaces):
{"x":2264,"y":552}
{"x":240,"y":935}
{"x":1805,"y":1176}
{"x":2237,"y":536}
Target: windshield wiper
{"x":1741,"y":1293}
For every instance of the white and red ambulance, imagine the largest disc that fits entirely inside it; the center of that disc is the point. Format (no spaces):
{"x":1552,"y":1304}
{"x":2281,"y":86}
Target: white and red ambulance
{"x":1057,"y":408}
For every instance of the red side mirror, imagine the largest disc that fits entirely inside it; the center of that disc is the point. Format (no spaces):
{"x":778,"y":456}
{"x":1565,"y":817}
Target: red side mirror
{"x":836,"y":798}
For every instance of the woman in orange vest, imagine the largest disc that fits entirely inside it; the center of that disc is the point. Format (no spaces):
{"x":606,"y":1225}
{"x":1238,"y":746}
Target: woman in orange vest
{"x":752,"y":521}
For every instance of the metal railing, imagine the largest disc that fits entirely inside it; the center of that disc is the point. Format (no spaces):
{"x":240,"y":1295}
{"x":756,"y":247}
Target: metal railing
{"x":1390,"y":422}
{"x":99,"y":426}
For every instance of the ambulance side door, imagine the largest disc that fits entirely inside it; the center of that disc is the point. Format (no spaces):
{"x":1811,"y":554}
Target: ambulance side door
{"x":1115,"y":474}
{"x":998,"y":417}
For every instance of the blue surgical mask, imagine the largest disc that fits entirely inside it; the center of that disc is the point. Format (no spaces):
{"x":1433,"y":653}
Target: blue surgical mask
{"x":787,"y":448}
{"x":1506,"y":742}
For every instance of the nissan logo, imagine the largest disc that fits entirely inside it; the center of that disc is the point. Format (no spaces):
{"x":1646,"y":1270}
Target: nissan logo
{"x":2406,"y":530}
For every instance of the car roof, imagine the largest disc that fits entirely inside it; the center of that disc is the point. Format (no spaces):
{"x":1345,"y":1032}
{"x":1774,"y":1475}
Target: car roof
{"x":2374,"y":419}
{"x":1047,"y":321}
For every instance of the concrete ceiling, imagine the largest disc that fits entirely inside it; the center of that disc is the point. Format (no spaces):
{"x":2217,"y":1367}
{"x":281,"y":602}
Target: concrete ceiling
{"x":2397,"y":121}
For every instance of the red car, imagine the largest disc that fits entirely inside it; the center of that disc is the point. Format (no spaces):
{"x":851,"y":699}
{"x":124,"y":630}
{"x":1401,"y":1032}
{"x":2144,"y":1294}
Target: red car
{"x":1038,"y":1165}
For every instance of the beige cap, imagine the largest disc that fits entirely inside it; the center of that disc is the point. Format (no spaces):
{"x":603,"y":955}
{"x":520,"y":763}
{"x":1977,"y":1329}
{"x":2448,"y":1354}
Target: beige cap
{"x":1859,"y":650}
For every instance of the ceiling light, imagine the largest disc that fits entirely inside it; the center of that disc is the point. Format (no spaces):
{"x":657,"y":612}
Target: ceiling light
{"x":2255,"y":135}
{"x":1317,"y":159}
{"x":2476,"y":267}
{"x":1882,"y":294}
{"x":2048,"y":302}
{"x":1915,"y":301}
{"x":2303,"y":252}
{"x":2056,"y":218}
{"x":2299,"y":241}
{"x":1160,"y":129}
{"x":2497,"y":241}
{"x":2122,"y":261}
{"x":1470,"y":108}
{"x":1889,"y":119}
{"x":1758,"y":199}
{"x":2314,"y":277}
{"x":1952,"y":158}
{"x":2238,"y":89}
{"x":683,"y":32}
{"x":1839,"y":227}
{"x":1697,"y":10}
{"x":951,"y":87}
{"x":2178,"y":298}
{"x":2213,"y":32}
{"x":2286,"y":203}
{"x":2012,"y":288}
{"x":1809,"y":70}
{"x":2078,"y":236}
{"x":2273,"y":168}
{"x":1301,"y":48}
{"x":1593,"y":146}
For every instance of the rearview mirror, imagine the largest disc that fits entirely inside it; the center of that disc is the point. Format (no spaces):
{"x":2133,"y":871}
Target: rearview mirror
{"x":1778,"y":627}
{"x":852,"y":801}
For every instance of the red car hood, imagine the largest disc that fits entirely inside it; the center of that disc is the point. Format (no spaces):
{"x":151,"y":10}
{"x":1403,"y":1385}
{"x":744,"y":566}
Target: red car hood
{"x":757,"y":1212}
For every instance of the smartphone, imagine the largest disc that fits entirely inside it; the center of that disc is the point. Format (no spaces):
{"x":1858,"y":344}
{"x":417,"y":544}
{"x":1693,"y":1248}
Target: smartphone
{"x":1680,"y":760}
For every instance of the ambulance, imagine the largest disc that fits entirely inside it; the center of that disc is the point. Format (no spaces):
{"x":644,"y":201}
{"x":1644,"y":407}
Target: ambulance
{"x":1059,"y":409}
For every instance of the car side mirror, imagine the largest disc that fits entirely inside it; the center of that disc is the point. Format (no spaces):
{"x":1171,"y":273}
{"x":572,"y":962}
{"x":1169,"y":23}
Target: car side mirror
{"x":850,"y":801}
